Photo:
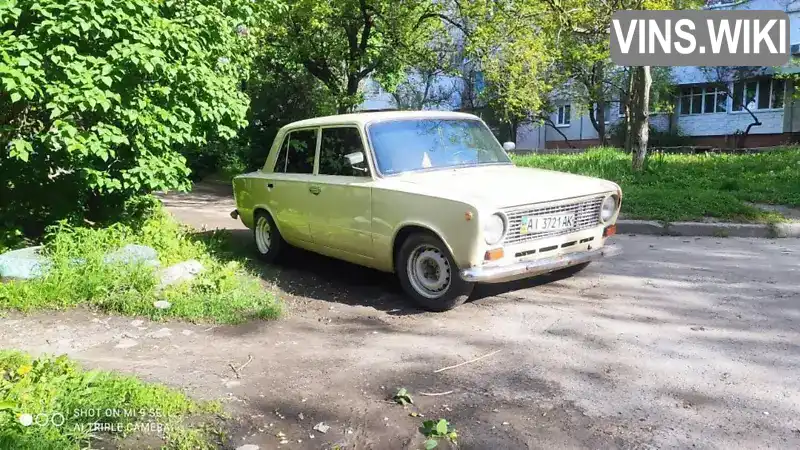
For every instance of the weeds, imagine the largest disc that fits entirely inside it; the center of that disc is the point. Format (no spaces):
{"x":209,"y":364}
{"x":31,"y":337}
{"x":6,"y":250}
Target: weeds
{"x":690,"y":187}
{"x":223,"y":292}
{"x":435,"y":430}
{"x":50,"y":403}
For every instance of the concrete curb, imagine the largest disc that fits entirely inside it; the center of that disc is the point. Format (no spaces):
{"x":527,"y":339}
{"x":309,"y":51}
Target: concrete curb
{"x":756,"y":230}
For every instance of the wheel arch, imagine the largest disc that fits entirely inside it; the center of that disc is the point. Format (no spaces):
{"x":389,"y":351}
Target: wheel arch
{"x":265,"y":208}
{"x":406,"y":230}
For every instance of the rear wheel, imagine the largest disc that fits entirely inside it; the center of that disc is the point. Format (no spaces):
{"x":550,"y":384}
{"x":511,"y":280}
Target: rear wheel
{"x":269,"y":242}
{"x":429,"y":275}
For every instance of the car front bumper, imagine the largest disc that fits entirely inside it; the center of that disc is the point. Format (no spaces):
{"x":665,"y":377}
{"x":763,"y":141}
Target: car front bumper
{"x":523,"y":269}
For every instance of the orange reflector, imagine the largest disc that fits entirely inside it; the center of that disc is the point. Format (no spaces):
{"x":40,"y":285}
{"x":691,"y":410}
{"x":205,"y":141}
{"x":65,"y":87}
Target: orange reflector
{"x":610,"y":231}
{"x":494,"y":254}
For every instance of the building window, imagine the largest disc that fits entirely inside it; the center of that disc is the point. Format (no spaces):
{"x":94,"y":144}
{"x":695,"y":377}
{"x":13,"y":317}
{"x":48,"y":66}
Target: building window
{"x":606,"y":112}
{"x":761,"y":94}
{"x":563,"y":115}
{"x":703,"y":100}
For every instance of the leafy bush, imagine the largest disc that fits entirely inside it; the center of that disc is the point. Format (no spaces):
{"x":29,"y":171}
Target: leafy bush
{"x":223,"y":292}
{"x":64,"y":403}
{"x":690,"y":187}
{"x":99,"y":99}
{"x":657,"y":138}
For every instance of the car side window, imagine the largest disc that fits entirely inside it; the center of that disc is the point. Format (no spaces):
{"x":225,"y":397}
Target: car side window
{"x":301,"y":147}
{"x":342,"y":153}
{"x":280,"y":162}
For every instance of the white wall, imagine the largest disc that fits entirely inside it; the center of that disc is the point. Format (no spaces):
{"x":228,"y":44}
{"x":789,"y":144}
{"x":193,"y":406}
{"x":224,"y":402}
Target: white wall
{"x":727,"y":123}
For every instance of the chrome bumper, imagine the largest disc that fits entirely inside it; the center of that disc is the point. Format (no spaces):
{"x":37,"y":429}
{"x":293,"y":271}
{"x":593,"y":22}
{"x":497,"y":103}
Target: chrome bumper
{"x":525,"y":269}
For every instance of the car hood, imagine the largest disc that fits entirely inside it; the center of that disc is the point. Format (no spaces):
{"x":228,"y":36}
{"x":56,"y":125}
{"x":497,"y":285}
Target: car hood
{"x":500,"y":186}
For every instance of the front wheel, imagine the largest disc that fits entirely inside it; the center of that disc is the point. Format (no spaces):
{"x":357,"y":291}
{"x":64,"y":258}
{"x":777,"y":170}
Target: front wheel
{"x":429,"y":275}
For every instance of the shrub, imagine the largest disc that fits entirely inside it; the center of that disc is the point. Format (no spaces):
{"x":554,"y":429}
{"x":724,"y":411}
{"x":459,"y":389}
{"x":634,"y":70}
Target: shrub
{"x":223,"y":292}
{"x":99,"y":99}
{"x":657,"y":138}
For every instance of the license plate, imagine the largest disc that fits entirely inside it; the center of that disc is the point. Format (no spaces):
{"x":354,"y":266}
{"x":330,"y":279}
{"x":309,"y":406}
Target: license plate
{"x":546,"y":223}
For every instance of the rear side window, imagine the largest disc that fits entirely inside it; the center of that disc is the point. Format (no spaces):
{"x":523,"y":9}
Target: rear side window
{"x":297,"y":153}
{"x":280,"y":163}
{"x":341,"y":152}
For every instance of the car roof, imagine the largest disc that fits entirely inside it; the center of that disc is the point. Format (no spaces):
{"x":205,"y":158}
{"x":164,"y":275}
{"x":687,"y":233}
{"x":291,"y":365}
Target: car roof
{"x":365,"y":117}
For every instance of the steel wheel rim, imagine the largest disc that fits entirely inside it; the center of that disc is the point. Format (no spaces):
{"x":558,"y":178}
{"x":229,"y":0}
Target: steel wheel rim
{"x":263,"y":235}
{"x":429,"y":271}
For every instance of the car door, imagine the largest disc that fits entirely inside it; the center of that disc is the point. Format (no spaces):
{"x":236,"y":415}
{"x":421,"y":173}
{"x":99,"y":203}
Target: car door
{"x":289,"y":184}
{"x":341,"y":216}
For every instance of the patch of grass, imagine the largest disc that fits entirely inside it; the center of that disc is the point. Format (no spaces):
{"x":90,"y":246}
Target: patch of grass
{"x":676,"y":187}
{"x":223,"y":292}
{"x":51,"y":403}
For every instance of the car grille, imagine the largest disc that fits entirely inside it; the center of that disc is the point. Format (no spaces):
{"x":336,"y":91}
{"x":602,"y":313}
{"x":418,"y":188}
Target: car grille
{"x":587,"y":212}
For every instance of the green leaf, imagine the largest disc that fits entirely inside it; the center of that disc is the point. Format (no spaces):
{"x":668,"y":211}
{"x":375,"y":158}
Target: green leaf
{"x":441,"y":427}
{"x":430,"y":444}
{"x":7,"y":404}
{"x":106,"y":80}
{"x":20,"y":149}
{"x":15,"y":97}
{"x":23,"y":62}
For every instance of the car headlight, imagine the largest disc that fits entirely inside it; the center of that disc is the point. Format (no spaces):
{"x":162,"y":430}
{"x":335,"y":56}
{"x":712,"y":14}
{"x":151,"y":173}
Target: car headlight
{"x":608,"y":208}
{"x":494,"y":228}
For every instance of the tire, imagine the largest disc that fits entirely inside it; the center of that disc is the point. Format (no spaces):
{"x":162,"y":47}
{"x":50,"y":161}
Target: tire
{"x":429,"y":275}
{"x":267,"y":238}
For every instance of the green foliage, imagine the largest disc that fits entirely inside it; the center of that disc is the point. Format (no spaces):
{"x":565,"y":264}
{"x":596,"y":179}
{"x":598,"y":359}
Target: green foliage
{"x":512,"y":43}
{"x":223,"y":292}
{"x":343,"y":42}
{"x":435,"y":430}
{"x":677,"y":187}
{"x":58,"y":389}
{"x":403,"y":397}
{"x":100,"y":98}
{"x":658,"y":138}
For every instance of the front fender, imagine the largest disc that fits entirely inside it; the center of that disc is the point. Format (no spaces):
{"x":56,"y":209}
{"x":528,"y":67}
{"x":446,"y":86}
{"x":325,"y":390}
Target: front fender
{"x":454,"y":222}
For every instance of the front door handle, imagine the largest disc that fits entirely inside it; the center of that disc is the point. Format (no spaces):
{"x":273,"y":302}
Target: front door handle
{"x":314,"y":189}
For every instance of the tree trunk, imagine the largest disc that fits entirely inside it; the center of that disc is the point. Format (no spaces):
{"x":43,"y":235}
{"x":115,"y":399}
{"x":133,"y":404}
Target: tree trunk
{"x":642,"y":125}
{"x":601,"y":102}
{"x":629,"y":113}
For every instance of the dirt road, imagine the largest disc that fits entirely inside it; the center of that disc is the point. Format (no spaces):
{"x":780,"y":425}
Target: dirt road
{"x":677,"y":343}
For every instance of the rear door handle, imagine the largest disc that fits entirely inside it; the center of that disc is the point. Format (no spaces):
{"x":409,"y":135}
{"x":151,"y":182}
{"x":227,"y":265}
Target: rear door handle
{"x":314,"y":189}
{"x":270,"y":185}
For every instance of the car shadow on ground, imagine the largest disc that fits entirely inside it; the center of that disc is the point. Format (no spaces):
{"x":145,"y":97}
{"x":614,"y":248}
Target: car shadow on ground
{"x":306,"y":274}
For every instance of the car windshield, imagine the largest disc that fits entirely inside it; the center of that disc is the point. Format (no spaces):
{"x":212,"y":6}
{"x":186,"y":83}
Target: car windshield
{"x":420,"y":144}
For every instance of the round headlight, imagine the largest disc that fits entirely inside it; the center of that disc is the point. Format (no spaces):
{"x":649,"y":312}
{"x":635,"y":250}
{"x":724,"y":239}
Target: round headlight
{"x":608,"y":208}
{"x":493,"y":229}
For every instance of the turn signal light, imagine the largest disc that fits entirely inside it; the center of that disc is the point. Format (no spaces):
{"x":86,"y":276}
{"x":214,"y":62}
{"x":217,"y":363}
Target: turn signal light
{"x":494,"y":254}
{"x":610,"y":231}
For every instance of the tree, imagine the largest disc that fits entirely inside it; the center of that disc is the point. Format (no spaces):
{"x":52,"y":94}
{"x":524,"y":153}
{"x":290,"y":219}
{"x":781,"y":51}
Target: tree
{"x":721,"y":78}
{"x":509,"y":51}
{"x":342,"y":43}
{"x":100,"y":98}
{"x":586,"y":23}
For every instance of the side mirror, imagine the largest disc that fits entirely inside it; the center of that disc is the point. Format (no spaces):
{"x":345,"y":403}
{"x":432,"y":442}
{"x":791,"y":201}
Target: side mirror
{"x":509,"y":146}
{"x":354,"y":158}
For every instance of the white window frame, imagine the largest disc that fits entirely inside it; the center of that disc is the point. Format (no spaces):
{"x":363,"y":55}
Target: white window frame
{"x":564,"y":111}
{"x":757,"y":82}
{"x":704,"y":91}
